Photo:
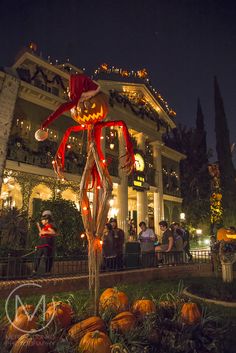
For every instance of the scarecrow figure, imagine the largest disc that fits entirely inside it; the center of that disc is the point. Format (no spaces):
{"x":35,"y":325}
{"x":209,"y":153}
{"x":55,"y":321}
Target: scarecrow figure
{"x":89,"y":106}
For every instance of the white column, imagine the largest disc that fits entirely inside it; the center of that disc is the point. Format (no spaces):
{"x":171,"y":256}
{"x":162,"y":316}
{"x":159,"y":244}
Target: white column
{"x":158,"y":195}
{"x":142,"y":200}
{"x":122,"y":190}
{"x":142,"y":207}
{"x":8,"y":96}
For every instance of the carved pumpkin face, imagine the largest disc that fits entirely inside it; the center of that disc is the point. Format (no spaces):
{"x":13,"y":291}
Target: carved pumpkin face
{"x":91,"y":110}
{"x":226,"y":235}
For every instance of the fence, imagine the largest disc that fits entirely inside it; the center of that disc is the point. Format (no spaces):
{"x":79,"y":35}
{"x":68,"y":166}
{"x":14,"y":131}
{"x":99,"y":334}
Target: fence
{"x":22,"y":267}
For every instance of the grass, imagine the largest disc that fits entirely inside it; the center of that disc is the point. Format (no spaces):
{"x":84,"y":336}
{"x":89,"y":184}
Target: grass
{"x":82,"y":301}
{"x":147,"y":289}
{"x":214,"y":288}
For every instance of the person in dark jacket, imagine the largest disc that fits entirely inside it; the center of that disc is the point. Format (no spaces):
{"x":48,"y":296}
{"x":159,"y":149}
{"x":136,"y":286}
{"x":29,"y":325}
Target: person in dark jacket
{"x":45,"y":245}
{"x":186,"y":242}
{"x":119,"y":239}
{"x":108,"y":248}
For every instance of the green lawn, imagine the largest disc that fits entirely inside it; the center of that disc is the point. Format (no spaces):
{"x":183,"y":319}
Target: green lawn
{"x":147,"y":289}
{"x":82,"y":302}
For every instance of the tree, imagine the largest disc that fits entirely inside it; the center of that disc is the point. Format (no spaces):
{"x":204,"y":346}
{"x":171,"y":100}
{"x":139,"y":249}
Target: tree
{"x":201,"y":156}
{"x":68,"y":223}
{"x":13,"y":228}
{"x":194,"y":177}
{"x":226,"y":167}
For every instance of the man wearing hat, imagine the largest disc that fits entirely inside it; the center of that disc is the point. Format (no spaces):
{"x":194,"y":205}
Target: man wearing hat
{"x":119,"y":238}
{"x":45,"y":246}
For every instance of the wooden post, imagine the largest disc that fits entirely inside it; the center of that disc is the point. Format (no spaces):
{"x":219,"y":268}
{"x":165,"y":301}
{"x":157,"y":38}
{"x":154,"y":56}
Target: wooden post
{"x":227,"y":260}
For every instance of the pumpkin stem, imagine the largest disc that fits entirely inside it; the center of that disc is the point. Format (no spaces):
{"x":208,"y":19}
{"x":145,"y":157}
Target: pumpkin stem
{"x":96,"y":334}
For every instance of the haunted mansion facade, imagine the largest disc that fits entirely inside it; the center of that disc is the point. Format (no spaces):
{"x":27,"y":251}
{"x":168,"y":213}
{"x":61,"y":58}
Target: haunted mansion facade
{"x":32,"y":88}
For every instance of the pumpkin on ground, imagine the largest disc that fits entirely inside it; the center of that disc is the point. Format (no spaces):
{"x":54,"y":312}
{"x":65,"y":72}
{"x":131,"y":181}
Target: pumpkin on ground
{"x":60,"y":313}
{"x":28,"y":308}
{"x":30,"y":343}
{"x":143,"y":307}
{"x":77,"y":331}
{"x":190,"y":313}
{"x":167,"y":308}
{"x":123,"y":322}
{"x":113,"y":299}
{"x":95,"y":342}
{"x":21,"y":325}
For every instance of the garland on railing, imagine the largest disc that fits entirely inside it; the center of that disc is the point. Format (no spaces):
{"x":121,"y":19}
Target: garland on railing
{"x":137,"y":109}
{"x":26,"y":76}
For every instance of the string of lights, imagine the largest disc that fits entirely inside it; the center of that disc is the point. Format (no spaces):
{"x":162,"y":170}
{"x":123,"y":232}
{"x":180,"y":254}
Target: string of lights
{"x":140,"y":74}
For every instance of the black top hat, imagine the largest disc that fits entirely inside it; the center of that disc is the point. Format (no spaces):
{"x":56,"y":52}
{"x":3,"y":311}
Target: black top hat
{"x":112,"y":220}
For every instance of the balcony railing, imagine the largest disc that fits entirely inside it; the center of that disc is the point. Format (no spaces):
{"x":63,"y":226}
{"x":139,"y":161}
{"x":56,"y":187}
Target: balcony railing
{"x":74,"y":162}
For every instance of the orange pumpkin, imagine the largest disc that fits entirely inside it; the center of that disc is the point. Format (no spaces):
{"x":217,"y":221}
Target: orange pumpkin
{"x":95,"y":342}
{"x":77,"y":331}
{"x":59,"y":312}
{"x":104,"y":67}
{"x":190,"y":313}
{"x":125,"y":73}
{"x":29,"y":308}
{"x":224,"y":234}
{"x":167,"y":308}
{"x":143,"y":307}
{"x":29,"y":343}
{"x":123,"y":322}
{"x":91,"y":110}
{"x":113,"y":299}
{"x":21,"y":325}
{"x":142,"y":73}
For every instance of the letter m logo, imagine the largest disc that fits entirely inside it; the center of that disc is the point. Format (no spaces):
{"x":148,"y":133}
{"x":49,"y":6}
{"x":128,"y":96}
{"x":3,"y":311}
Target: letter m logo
{"x":41,"y":306}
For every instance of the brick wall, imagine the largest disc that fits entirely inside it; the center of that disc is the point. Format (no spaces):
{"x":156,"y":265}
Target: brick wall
{"x":74,"y":283}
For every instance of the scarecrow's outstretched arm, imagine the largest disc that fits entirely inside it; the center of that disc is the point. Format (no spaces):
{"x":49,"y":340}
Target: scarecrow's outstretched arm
{"x":64,"y":107}
{"x":59,"y":161}
{"x":130,"y":159}
{"x":41,"y":134}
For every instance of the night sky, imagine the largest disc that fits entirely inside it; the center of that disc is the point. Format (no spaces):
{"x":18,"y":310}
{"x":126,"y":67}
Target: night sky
{"x":182,"y":43}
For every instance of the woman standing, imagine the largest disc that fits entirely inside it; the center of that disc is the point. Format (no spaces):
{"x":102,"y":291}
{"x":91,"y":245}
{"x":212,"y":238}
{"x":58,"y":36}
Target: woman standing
{"x":108,"y":248}
{"x":46,"y":243}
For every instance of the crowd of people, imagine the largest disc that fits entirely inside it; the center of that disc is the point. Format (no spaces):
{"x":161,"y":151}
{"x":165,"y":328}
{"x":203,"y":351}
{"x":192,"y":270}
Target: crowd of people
{"x":174,"y":239}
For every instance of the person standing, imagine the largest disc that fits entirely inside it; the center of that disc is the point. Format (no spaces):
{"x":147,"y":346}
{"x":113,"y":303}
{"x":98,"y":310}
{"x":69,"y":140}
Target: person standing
{"x":178,"y":234}
{"x":108,"y":249}
{"x":119,"y":239}
{"x":147,"y":239}
{"x":132,"y":230}
{"x":186,"y":242}
{"x":45,"y":246}
{"x":167,"y":244}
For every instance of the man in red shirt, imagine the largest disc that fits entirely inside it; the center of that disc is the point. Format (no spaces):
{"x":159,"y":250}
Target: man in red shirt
{"x":46,"y":242}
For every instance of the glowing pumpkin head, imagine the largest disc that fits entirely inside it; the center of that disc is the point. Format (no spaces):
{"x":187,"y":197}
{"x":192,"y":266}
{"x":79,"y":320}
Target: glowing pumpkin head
{"x":226,"y":235}
{"x":91,"y":110}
